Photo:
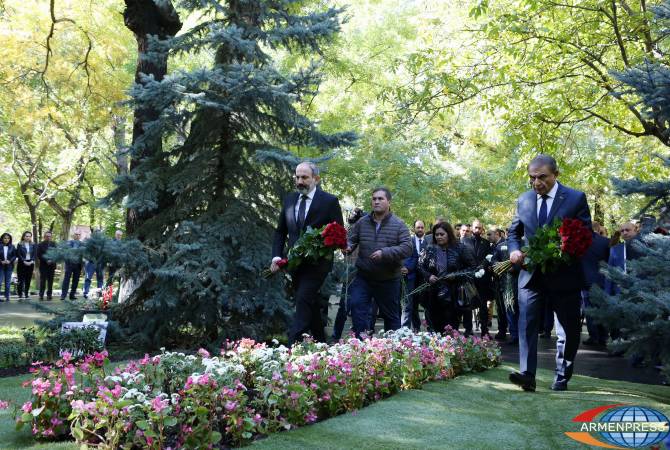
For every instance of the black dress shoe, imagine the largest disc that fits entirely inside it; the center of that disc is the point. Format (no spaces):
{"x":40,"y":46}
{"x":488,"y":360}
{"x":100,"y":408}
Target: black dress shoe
{"x":559,"y":385}
{"x":526,"y":382}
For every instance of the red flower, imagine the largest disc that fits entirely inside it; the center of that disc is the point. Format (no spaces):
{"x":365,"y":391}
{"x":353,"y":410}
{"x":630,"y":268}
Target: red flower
{"x":282,"y":262}
{"x":576,"y":237}
{"x":334,"y":235}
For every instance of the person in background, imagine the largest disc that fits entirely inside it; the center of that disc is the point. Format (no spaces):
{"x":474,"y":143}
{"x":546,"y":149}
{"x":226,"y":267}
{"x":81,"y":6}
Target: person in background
{"x":118,"y":235}
{"x":344,"y":308}
{"x":90,"y":268}
{"x":7,"y":258}
{"x":482,"y":248}
{"x":25,"y":253}
{"x":72,"y":270}
{"x":446,"y":255}
{"x":410,"y":315}
{"x":598,"y":252}
{"x":47,"y":266}
{"x":465,"y":232}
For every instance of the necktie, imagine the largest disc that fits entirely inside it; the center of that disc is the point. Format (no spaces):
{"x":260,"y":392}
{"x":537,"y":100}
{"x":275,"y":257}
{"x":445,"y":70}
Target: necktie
{"x":542,"y":217}
{"x":301,"y":211}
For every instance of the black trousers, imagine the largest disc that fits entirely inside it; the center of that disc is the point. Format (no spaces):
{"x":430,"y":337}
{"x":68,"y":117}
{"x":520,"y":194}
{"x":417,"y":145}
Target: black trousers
{"x":72,"y":271}
{"x":442,"y":313}
{"x":307,"y":281}
{"x":47,"y":279}
{"x":501,"y":310}
{"x":24,"y":275}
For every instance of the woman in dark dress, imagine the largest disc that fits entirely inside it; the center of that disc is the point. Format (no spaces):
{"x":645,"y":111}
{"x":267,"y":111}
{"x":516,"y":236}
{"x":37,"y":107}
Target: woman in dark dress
{"x":25,"y":252}
{"x":445,"y":255}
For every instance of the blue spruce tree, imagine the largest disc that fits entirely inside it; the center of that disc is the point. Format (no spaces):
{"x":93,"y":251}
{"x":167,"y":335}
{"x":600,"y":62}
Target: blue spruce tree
{"x":210,"y":164}
{"x":641,"y":308}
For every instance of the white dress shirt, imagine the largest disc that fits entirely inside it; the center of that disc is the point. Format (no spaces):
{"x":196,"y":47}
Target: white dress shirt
{"x":417,"y":243}
{"x":27,"y":258}
{"x":308,"y":203}
{"x":550,"y":200}
{"x":5,"y":249}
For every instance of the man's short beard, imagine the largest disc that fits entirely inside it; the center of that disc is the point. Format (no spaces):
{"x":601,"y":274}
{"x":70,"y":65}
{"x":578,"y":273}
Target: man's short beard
{"x":303,"y":189}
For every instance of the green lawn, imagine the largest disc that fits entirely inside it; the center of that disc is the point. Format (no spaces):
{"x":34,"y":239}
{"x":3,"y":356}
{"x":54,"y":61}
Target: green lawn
{"x":474,"y":411}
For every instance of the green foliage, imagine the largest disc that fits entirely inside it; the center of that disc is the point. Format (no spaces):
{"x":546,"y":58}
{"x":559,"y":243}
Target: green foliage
{"x":544,"y":249}
{"x":20,"y":348}
{"x":209,"y":196}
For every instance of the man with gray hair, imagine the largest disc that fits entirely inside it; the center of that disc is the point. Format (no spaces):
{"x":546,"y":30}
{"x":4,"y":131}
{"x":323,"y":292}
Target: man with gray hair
{"x":309,"y":207}
{"x":561,"y":289}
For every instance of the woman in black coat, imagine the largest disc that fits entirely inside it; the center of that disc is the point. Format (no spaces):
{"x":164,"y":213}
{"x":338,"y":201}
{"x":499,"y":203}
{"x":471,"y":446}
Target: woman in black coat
{"x":7,"y":258}
{"x":25,"y":252}
{"x":445,"y":255}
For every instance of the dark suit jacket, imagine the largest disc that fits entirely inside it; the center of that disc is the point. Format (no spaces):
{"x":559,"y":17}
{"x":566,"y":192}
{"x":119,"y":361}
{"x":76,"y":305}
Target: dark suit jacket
{"x":413,"y":260}
{"x":568,"y":203}
{"x":41,"y":250}
{"x":11,"y":254}
{"x":324,"y":209}
{"x":599,"y":251}
{"x":21,"y":252}
{"x":616,"y":259}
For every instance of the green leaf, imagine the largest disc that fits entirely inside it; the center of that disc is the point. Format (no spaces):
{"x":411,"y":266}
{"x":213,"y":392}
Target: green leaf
{"x":215,"y":437}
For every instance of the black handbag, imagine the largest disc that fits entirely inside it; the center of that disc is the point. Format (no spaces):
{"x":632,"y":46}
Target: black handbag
{"x":468,"y":296}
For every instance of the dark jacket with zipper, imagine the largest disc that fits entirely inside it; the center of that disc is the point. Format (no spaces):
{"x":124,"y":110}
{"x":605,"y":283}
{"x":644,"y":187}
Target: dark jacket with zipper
{"x":391,"y":237}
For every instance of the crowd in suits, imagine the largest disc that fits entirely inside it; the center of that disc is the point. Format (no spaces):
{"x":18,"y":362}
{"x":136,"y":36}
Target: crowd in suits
{"x":389,"y":263}
{"x":25,"y":256}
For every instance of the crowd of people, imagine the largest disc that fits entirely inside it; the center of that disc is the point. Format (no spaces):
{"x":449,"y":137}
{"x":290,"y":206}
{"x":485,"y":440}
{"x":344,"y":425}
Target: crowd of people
{"x":25,"y":256}
{"x":447,"y":270}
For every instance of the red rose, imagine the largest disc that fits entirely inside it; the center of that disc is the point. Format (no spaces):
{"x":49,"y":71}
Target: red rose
{"x":282,"y":262}
{"x":334,"y":235}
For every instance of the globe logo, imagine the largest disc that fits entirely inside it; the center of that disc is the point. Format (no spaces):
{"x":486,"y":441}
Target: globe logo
{"x":634,"y":426}
{"x":620,"y":426}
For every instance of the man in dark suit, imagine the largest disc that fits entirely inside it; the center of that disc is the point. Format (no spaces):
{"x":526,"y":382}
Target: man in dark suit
{"x":72,"y":270}
{"x":47,"y":267}
{"x":562,"y":288}
{"x":482,"y":247}
{"x":410,"y":314}
{"x":598,"y":252}
{"x":309,"y":207}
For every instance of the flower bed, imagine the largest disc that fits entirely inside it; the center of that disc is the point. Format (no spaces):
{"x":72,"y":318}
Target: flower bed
{"x":175,"y":400}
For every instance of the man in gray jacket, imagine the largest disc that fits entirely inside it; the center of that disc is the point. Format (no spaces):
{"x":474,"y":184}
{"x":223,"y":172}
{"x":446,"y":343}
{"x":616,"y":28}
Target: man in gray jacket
{"x":383,"y":243}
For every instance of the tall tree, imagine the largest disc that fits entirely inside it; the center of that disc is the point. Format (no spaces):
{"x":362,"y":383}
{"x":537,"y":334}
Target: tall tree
{"x":208,"y":196}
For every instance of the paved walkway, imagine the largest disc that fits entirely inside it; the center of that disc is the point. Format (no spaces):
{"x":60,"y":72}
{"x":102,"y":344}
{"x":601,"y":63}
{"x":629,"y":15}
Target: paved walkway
{"x":590,"y":361}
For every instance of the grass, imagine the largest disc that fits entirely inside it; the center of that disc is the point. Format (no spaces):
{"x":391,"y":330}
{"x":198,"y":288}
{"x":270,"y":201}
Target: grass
{"x":480,"y":411}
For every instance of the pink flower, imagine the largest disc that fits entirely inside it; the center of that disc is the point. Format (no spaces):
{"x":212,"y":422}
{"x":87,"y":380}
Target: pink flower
{"x":310,"y":417}
{"x":27,"y":407}
{"x":56,"y":389}
{"x":116,"y":392}
{"x":67,"y":357}
{"x":41,"y":386}
{"x":203,"y":353}
{"x":4,"y":404}
{"x":231,"y":406}
{"x":159,"y":405}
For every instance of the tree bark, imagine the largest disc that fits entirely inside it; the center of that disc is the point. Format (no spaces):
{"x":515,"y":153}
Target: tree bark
{"x":145,"y":18}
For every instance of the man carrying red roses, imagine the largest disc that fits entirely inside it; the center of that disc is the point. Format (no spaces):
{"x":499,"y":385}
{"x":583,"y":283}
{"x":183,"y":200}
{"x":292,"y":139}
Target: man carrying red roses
{"x":309,"y":207}
{"x":561,"y":288}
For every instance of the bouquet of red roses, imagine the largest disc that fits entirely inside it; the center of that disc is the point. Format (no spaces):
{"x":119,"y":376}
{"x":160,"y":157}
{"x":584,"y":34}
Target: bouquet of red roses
{"x":560,"y":242}
{"x":314,"y":244}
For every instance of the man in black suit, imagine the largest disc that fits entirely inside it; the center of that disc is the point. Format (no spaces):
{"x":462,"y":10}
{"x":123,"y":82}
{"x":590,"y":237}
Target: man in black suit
{"x":413,"y":279}
{"x":481,"y":247}
{"x":47,"y":266}
{"x":562,"y":288}
{"x":309,"y":207}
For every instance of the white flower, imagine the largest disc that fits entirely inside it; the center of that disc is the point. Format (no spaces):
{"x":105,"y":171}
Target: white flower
{"x":488,"y":257}
{"x":503,"y":248}
{"x":480,"y":273}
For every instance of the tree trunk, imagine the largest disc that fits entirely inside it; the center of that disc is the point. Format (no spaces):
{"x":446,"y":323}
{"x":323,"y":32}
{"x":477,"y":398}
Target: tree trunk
{"x":119,"y":130}
{"x":144,"y":18}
